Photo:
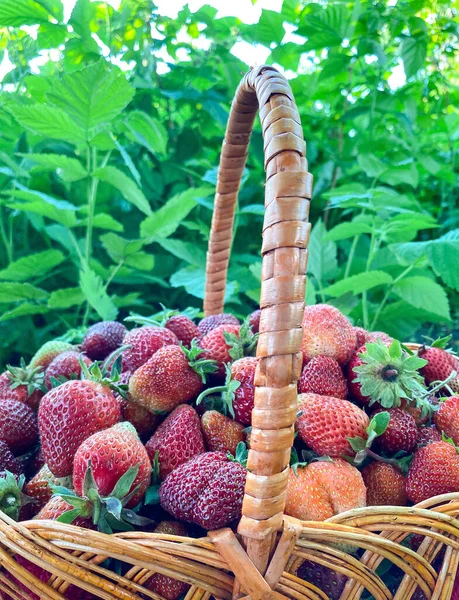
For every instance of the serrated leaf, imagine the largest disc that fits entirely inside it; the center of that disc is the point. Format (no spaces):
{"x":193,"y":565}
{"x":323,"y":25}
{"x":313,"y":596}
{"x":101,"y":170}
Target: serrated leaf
{"x":42,"y":204}
{"x":118,"y":248}
{"x":404,"y":174}
{"x":187,"y":251}
{"x":14,"y":13}
{"x":34,"y":265}
{"x":104,"y":221}
{"x":343,"y":231}
{"x":128,"y":188}
{"x":93,"y":289}
{"x":48,"y":121}
{"x":66,"y":298}
{"x":443,"y":255}
{"x":269,"y":28}
{"x":23,"y":310}
{"x":371,"y":165}
{"x":68,"y":169}
{"x":358,"y":283}
{"x":16,"y":292}
{"x":424,"y":293}
{"x":413,"y":54}
{"x":147,"y":131}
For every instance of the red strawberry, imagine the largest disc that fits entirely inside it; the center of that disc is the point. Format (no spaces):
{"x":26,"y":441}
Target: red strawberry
{"x":401,"y":432}
{"x":144,"y":342}
{"x":440,"y":365}
{"x":55,"y":507}
{"x":143,"y":420}
{"x":184,"y":328}
{"x":355,"y":388}
{"x":65,"y":366}
{"x":373,"y":336}
{"x":243,"y":370}
{"x":103,"y":338}
{"x":326,"y":423}
{"x":434,"y":470}
{"x":385,"y":485}
{"x":323,"y":375}
{"x":322,"y":489}
{"x":48,"y":352}
{"x":18,"y":425}
{"x":226,"y":343}
{"x":173,"y":375}
{"x":68,"y":415}
{"x":168,"y":588}
{"x":110,"y":453}
{"x":361,"y":335}
{"x":427,"y":435}
{"x":39,"y":487}
{"x":24,"y":384}
{"x":447,"y":418}
{"x":8,"y":462}
{"x":177,"y":439}
{"x":212,"y":321}
{"x":327,"y":332}
{"x":220,"y":432}
{"x":207,"y":490}
{"x":330,"y":582}
{"x":254,"y":320}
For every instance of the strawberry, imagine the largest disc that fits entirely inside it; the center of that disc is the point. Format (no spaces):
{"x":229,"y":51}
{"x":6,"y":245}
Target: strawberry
{"x":144,"y":342}
{"x":184,"y":328}
{"x":8,"y":462}
{"x":378,"y":373}
{"x":24,"y":384}
{"x":177,"y":440}
{"x":322,"y":489}
{"x":12,"y":499}
{"x":385,"y":485}
{"x":56,"y":507}
{"x":48,"y":352}
{"x":440,"y":364}
{"x":212,"y":321}
{"x":327,"y":332}
{"x":18,"y":425}
{"x":173,"y":375}
{"x":69,"y":414}
{"x":401,"y":432}
{"x":447,"y":418}
{"x":323,"y":375}
{"x":220,"y":432}
{"x":110,"y":453}
{"x":434,"y":470}
{"x":103,"y":338}
{"x":243,"y":371}
{"x":427,"y":435}
{"x":143,"y":420}
{"x":254,"y":320}
{"x":65,"y":366}
{"x":330,"y":582}
{"x":361,"y":335}
{"x":39,"y":487}
{"x":374,"y":336}
{"x":168,"y":588}
{"x":326,"y":423}
{"x":207,"y":490}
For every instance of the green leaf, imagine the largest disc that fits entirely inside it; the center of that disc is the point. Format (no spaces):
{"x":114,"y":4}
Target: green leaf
{"x":23,"y":310}
{"x":413,"y":54}
{"x":124,"y":483}
{"x":104,"y":221}
{"x":34,"y":265}
{"x":187,"y":251}
{"x":149,"y":132}
{"x":14,"y":13}
{"x":379,"y":423}
{"x":69,"y":516}
{"x":68,"y":169}
{"x":401,"y":174}
{"x":48,"y":121}
{"x":371,"y":165}
{"x":322,"y":253}
{"x":163,"y":222}
{"x":118,"y":248}
{"x":346,"y":230}
{"x":269,"y":28}
{"x":130,"y":191}
{"x":42,"y":204}
{"x":358,"y":283}
{"x":66,"y":298}
{"x":324,"y":27}
{"x":443,"y":255}
{"x":425,"y":294}
{"x":93,"y":290}
{"x":16,"y":292}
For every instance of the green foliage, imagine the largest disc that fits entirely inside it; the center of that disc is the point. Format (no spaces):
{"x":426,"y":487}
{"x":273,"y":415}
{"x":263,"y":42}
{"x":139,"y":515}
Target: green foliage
{"x":107,"y":173}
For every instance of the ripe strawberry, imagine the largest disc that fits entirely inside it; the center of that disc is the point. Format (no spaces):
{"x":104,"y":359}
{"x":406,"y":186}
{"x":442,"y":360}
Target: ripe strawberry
{"x":440,"y":365}
{"x":207,"y":490}
{"x":326,"y":331}
{"x":110,"y":453}
{"x":254,"y":320}
{"x":39,"y":487}
{"x":323,"y":375}
{"x":18,"y":425}
{"x":143,"y":420}
{"x":227,"y":343}
{"x":168,"y":588}
{"x":220,"y":432}
{"x":55,"y":507}
{"x":212,"y":321}
{"x":65,"y":366}
{"x":434,"y":470}
{"x":144,"y":342}
{"x":24,"y":384}
{"x":447,"y":418}
{"x":401,"y":432}
{"x":330,"y":582}
{"x":48,"y":352}
{"x":68,"y":415}
{"x":243,"y":370}
{"x":184,"y":328}
{"x":427,"y":435}
{"x":177,"y":440}
{"x":103,"y":338}
{"x":8,"y":462}
{"x":173,"y":375}
{"x":322,"y":489}
{"x":361,"y":335}
{"x":385,"y":485}
{"x":326,"y":423}
{"x":374,"y":336}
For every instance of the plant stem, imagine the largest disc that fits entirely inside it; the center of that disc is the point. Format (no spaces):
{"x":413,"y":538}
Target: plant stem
{"x":113,"y":274}
{"x":3,"y":236}
{"x":387,"y":294}
{"x":91,"y":164}
{"x":350,"y":258}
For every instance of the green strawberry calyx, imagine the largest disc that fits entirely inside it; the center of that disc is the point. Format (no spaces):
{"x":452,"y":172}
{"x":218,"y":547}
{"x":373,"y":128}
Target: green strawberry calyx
{"x":221,"y":397}
{"x":162,"y":317}
{"x":200,"y":365}
{"x":12,"y":498}
{"x":242,"y":344}
{"x":108,"y":513}
{"x":107,"y":372}
{"x":152,"y":494}
{"x":449,"y":440}
{"x":307,"y":457}
{"x":241,"y":455}
{"x":32,"y":377}
{"x":389,"y":374}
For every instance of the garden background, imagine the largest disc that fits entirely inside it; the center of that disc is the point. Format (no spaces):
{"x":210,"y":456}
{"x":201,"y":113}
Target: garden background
{"x":111,"y":123}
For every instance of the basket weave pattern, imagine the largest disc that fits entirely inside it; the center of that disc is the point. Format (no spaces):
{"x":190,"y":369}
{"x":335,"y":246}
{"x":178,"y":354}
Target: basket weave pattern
{"x":262,"y":561}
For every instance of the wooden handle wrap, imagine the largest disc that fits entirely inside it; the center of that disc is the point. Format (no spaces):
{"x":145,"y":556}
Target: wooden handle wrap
{"x":284,"y":250}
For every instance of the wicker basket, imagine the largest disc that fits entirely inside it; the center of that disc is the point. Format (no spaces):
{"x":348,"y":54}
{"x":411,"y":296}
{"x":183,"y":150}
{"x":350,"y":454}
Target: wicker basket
{"x":259,"y":564}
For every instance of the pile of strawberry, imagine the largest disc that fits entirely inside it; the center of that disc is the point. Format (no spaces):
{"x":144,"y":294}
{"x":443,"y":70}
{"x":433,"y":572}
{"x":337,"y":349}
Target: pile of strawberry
{"x":148,"y":428}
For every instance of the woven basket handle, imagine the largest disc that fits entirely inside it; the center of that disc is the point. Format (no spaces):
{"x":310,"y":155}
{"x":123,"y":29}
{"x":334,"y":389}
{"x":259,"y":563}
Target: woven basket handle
{"x":284,"y":250}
